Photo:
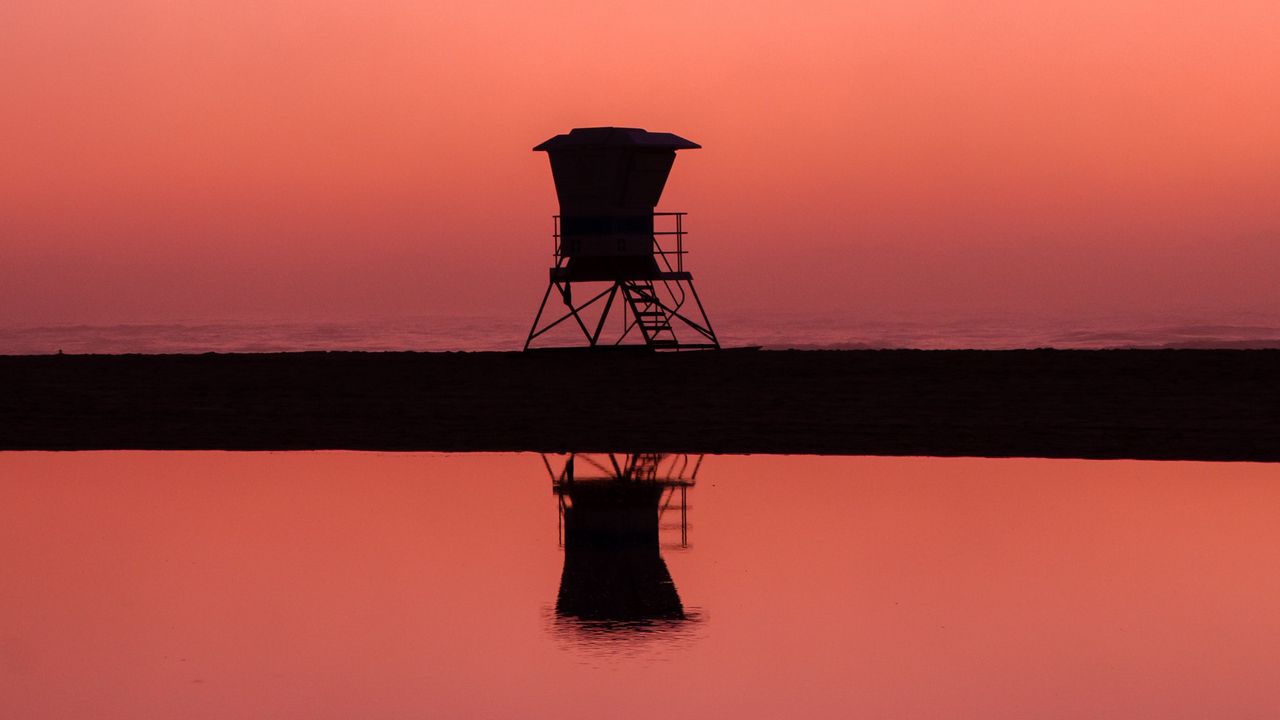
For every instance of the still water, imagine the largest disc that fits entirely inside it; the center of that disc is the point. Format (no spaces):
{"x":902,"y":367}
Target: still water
{"x":342,"y":585}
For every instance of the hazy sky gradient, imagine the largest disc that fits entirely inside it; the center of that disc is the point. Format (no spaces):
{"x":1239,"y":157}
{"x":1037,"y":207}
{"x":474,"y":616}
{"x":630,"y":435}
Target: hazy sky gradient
{"x":321,"y":160}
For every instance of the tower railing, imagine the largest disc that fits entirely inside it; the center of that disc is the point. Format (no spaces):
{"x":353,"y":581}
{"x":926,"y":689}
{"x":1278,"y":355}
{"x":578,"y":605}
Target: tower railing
{"x":678,"y":232}
{"x":674,"y":228}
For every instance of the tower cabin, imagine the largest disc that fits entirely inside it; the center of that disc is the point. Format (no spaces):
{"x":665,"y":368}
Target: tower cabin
{"x":608,"y":182}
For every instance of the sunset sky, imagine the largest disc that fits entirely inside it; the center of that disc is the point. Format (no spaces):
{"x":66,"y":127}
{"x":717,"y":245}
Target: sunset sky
{"x":167,"y":160}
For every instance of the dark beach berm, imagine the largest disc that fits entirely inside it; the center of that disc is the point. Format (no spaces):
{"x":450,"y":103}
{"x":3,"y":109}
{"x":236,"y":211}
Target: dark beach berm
{"x":1146,"y":404}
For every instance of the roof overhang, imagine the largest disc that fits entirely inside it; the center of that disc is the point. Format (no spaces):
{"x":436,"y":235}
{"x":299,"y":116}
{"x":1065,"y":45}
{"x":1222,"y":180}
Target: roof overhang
{"x":616,"y":137}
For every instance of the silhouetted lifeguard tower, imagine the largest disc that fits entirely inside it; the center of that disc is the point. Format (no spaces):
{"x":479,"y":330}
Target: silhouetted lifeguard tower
{"x":612,"y":510}
{"x":608,"y":181}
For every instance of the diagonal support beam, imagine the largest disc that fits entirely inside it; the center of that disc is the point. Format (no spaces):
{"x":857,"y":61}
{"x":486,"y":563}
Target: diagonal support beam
{"x":573,"y":313}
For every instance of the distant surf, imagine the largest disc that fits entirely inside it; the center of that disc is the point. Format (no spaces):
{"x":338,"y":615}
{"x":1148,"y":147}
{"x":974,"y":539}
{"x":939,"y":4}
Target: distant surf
{"x":770,"y":330}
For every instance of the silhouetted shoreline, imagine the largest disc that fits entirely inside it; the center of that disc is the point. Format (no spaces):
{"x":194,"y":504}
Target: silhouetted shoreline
{"x":1142,"y":404}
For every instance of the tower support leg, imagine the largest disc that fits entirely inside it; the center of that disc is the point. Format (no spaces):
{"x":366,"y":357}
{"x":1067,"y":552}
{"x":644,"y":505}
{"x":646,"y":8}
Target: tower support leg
{"x":656,"y":310}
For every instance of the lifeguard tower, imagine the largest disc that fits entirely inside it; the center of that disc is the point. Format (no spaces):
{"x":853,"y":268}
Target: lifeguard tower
{"x":609,"y":237}
{"x":613,"y":510}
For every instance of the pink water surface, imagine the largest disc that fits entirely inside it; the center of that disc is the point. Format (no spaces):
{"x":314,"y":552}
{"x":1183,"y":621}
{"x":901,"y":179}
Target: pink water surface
{"x":339,"y":585}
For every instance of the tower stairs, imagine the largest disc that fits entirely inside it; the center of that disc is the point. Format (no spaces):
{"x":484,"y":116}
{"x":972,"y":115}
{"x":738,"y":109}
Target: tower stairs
{"x":653,"y":317}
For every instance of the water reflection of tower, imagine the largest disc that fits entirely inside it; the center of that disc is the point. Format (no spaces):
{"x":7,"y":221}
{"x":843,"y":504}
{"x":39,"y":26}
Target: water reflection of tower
{"x":613,"y":510}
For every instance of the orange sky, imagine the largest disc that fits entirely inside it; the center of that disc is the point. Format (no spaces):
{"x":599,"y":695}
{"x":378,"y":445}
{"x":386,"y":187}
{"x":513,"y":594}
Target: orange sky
{"x":324,"y":160}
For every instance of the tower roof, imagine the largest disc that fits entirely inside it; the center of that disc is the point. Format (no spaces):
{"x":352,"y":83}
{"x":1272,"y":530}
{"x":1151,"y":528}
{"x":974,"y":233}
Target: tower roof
{"x":617,"y":137}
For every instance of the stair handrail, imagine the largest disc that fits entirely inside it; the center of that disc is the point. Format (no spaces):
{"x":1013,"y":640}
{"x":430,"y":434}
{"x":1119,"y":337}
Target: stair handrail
{"x":679,"y":253}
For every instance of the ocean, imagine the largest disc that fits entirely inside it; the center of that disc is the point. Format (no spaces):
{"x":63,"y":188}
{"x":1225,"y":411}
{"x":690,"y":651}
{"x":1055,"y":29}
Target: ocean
{"x":770,"y":330}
